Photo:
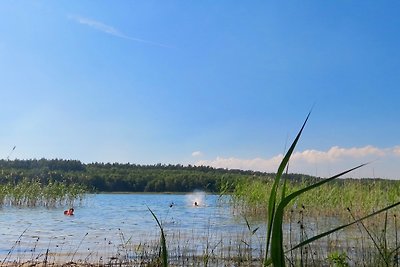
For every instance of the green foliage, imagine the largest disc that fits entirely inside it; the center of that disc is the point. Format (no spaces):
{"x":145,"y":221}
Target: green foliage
{"x":277,"y":205}
{"x":338,"y":259}
{"x":362,"y":196}
{"x":164,"y":252}
{"x":275,"y":217}
{"x":33,"y":193}
{"x":123,"y":177}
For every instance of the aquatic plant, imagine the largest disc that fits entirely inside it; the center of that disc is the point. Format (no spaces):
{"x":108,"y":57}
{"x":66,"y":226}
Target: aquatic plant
{"x":28,"y":193}
{"x":164,"y":251}
{"x":338,"y":259}
{"x":183,"y":250}
{"x":274,"y":252}
{"x":361,"y":196}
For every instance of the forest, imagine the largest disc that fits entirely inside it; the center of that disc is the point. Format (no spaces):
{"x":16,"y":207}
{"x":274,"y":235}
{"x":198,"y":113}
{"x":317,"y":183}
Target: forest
{"x":117,"y":177}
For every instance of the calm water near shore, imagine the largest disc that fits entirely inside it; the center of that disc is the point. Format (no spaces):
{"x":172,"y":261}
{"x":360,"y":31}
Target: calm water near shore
{"x":104,"y":224}
{"x":120,"y":226}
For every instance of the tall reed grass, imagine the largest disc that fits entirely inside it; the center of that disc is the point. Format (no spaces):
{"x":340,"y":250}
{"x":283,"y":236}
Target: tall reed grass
{"x":332,"y":199}
{"x":278,"y":202}
{"x":32,"y":193}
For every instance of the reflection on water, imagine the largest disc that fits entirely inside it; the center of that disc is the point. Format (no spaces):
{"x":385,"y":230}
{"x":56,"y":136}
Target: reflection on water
{"x":105,"y":222}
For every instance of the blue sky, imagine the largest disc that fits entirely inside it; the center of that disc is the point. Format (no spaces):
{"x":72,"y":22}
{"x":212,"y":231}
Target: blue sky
{"x":220,"y":83}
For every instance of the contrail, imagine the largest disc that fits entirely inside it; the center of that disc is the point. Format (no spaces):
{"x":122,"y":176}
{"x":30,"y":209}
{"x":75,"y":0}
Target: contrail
{"x":97,"y":25}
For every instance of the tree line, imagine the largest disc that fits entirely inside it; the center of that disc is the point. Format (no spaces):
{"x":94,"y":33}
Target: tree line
{"x":128,"y":177}
{"x":117,"y":177}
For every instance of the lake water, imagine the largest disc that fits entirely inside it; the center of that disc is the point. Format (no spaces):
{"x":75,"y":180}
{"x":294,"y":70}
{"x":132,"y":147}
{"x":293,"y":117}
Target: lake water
{"x":120,"y":227}
{"x":105,"y":225}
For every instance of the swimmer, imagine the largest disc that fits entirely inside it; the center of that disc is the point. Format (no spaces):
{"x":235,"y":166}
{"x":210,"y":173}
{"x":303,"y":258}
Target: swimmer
{"x":69,"y":212}
{"x":195,"y":203}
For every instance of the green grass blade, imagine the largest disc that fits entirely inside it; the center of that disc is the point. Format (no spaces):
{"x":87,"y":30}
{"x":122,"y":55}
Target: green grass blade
{"x":272,"y":198}
{"x":382,"y":250}
{"x":342,"y":226}
{"x":284,"y":183}
{"x":247,"y":223}
{"x":163,"y":242}
{"x":268,"y":262}
{"x":277,"y":251}
{"x":293,"y":195}
{"x":253,"y":231}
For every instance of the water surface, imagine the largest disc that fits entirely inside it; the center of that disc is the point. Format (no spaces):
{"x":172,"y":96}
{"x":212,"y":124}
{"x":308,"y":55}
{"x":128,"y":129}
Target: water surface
{"x":105,"y":224}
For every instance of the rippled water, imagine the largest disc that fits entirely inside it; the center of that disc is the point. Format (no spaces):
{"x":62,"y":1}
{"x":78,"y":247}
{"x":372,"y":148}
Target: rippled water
{"x":105,"y":223}
{"x":120,"y":225}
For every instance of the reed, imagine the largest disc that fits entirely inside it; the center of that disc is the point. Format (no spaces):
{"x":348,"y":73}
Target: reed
{"x":245,"y":249}
{"x":278,"y":203}
{"x":33,"y":193}
{"x":332,"y":199}
{"x":164,"y":252}
{"x":221,"y":252}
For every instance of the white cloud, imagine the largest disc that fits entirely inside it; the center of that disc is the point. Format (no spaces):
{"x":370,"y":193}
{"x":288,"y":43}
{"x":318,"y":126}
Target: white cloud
{"x":396,"y":151}
{"x":97,"y":25}
{"x":336,"y":153}
{"x":197,"y":154}
{"x":322,"y":163}
{"x":259,"y":164}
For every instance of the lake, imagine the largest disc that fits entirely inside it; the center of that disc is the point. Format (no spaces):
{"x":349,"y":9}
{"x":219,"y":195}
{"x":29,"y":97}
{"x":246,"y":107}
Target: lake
{"x":105,"y":226}
{"x":114,"y":228}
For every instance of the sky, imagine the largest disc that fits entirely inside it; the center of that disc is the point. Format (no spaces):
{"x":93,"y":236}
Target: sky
{"x":226,"y":84}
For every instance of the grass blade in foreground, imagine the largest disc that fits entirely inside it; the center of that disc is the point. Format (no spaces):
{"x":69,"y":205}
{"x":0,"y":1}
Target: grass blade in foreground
{"x":163,"y":243}
{"x":277,"y":252}
{"x":275,"y":214}
{"x":272,"y":198}
{"x":343,"y":226}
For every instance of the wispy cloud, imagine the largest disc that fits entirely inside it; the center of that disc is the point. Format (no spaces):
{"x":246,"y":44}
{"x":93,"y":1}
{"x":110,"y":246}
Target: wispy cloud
{"x":197,"y":154}
{"x":307,"y":161}
{"x":100,"y":26}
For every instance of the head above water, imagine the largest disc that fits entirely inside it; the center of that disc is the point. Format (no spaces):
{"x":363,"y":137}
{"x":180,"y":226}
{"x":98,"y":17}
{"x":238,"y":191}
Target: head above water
{"x":196,"y":197}
{"x":70,"y":211}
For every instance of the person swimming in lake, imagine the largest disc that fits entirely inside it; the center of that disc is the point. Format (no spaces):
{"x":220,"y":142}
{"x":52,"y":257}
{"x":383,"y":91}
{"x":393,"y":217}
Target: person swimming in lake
{"x":69,"y":212}
{"x":196,"y":204}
